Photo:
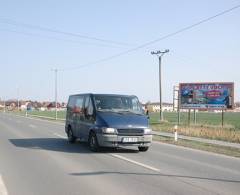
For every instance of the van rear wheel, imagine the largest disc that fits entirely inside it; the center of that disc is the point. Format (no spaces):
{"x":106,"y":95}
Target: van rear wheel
{"x":93,"y":142}
{"x":143,"y":149}
{"x":71,"y":137}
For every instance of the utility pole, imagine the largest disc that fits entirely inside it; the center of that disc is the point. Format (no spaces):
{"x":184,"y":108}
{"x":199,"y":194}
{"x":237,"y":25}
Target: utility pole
{"x":56,"y":71}
{"x":160,"y":54}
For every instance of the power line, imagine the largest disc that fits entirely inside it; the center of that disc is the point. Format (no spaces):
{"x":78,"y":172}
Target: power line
{"x":58,"y":39}
{"x":155,"y":40}
{"x":41,"y":28}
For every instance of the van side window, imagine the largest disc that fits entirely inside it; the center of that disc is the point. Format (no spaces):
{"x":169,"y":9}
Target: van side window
{"x":88,"y":106}
{"x":135,"y":105}
{"x":78,"y":106}
{"x":71,"y":102}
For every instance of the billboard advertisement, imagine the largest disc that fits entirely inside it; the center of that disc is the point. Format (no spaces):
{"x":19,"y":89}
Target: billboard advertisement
{"x":206,"y":95}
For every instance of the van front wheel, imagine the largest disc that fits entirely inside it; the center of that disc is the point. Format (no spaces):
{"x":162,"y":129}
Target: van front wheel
{"x":143,"y":149}
{"x":93,"y":142}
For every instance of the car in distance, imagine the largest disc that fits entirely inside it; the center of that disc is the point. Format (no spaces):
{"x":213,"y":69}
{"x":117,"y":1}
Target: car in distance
{"x":107,"y":120}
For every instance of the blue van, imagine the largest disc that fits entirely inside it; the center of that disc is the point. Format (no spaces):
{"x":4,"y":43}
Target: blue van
{"x":106,"y":120}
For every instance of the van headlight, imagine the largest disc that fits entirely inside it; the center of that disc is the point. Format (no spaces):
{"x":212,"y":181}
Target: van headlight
{"x":109,"y":130}
{"x":147,"y":131}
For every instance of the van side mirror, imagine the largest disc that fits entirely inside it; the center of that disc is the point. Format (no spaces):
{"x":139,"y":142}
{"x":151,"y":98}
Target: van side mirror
{"x":147,"y":114}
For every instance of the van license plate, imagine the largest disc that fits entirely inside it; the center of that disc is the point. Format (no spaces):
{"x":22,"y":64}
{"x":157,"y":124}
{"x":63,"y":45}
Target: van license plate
{"x":130,"y":139}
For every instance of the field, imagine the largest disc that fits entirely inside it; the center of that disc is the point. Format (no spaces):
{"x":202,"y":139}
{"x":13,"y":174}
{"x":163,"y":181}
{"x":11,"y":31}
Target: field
{"x":50,"y":114}
{"x":208,"y":125}
{"x":231,"y":120}
{"x":61,"y":114}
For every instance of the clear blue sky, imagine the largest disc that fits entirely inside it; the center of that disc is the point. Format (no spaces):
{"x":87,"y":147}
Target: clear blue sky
{"x":209,"y":52}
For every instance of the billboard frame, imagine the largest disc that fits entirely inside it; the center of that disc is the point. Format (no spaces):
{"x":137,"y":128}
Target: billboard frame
{"x":206,"y":83}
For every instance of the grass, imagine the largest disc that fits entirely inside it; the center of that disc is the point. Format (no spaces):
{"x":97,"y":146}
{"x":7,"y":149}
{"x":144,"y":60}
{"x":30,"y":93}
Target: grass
{"x":235,"y":152}
{"x":209,"y":132}
{"x":50,"y":114}
{"x":203,"y":118}
{"x":61,"y":114}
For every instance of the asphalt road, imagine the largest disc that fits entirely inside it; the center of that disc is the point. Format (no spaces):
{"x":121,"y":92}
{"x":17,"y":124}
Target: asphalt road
{"x":35,"y":158}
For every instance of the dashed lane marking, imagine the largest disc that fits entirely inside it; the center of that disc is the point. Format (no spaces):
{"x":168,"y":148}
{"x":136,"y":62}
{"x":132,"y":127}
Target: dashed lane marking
{"x":135,"y":162}
{"x":122,"y":158}
{"x":3,"y":189}
{"x":32,"y":126}
{"x":61,"y":136}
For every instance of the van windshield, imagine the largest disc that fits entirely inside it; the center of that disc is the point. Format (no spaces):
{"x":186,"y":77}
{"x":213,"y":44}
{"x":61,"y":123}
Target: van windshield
{"x":117,"y":103}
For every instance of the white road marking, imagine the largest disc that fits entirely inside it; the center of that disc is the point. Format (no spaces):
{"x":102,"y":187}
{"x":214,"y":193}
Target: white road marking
{"x":3,"y":189}
{"x":38,"y":119}
{"x":32,"y":126}
{"x":61,"y":136}
{"x":135,"y":162}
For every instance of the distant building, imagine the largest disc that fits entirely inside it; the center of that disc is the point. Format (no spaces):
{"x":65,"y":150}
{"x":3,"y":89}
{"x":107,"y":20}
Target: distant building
{"x":23,"y":105}
{"x":1,"y":105}
{"x":155,"y":107}
{"x":52,"y":106}
{"x":64,"y":105}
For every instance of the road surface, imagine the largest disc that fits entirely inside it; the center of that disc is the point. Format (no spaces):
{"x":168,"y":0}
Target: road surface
{"x":35,"y":158}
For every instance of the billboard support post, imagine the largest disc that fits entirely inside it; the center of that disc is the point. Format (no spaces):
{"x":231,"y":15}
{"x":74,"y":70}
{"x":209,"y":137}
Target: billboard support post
{"x":178,"y":109}
{"x":195,"y":117}
{"x":189,"y":116}
{"x":178,"y":116}
{"x":222,"y":117}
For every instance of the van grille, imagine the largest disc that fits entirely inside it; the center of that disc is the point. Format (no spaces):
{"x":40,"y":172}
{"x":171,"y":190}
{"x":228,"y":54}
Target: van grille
{"x":130,"y":132}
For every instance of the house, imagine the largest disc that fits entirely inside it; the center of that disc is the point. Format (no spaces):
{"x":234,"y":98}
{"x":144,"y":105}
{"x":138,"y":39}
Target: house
{"x":52,"y":106}
{"x":64,"y":105}
{"x":11,"y":104}
{"x":2,"y":105}
{"x":155,"y":107}
{"x":23,"y":105}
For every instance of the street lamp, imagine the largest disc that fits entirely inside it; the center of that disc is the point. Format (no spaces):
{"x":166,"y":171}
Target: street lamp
{"x":160,"y":54}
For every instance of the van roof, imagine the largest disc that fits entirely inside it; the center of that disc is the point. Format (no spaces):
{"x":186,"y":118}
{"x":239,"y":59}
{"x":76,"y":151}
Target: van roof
{"x":102,"y":94}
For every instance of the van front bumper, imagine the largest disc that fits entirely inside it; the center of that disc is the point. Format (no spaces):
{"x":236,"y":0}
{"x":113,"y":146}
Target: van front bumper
{"x":109,"y":140}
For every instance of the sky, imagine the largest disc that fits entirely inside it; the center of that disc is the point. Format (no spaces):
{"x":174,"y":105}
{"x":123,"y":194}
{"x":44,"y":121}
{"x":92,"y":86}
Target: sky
{"x":30,"y":47}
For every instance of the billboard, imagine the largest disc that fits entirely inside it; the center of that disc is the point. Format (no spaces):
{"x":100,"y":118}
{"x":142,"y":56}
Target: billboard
{"x":206,"y":95}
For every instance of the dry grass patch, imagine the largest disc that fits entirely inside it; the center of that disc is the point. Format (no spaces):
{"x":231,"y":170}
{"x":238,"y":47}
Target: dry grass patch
{"x":201,"y":146}
{"x":227,"y":133}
